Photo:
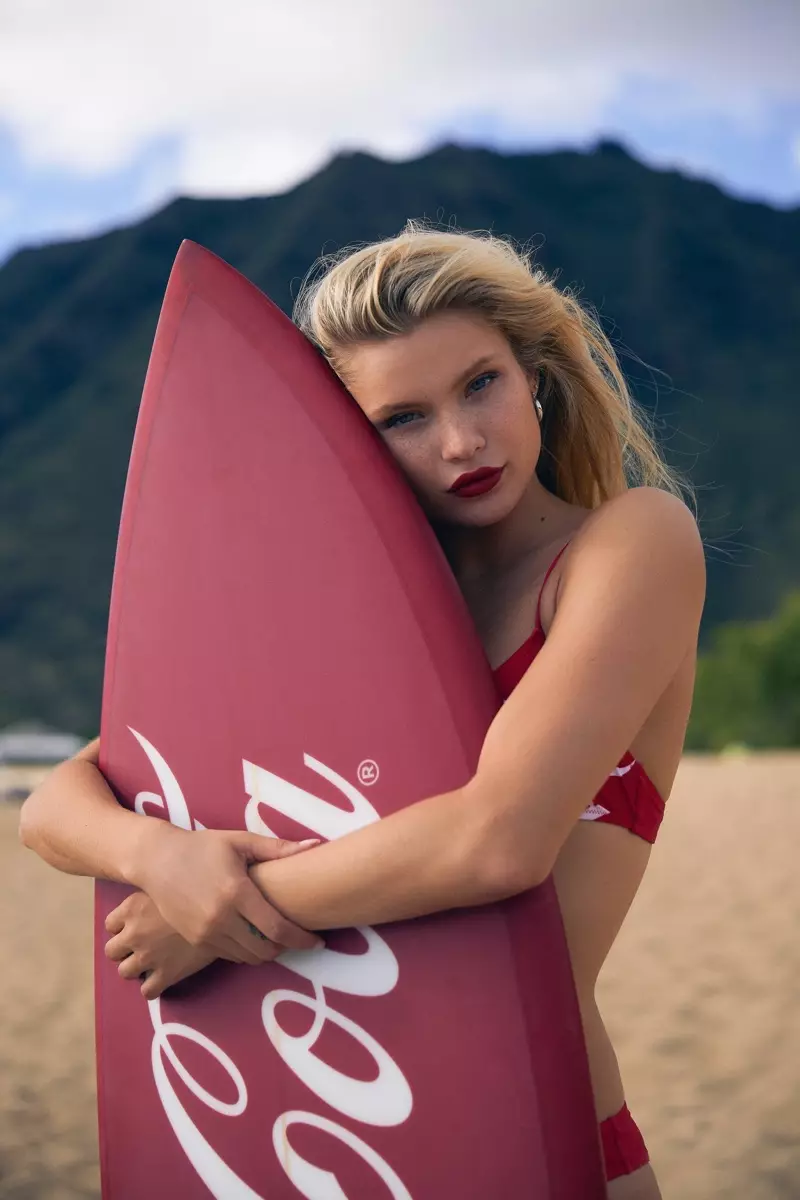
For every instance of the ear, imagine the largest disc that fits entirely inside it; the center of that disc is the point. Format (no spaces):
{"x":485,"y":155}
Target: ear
{"x":534,"y":379}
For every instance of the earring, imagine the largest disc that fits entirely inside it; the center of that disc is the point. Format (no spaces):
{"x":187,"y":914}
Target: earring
{"x":538,"y":404}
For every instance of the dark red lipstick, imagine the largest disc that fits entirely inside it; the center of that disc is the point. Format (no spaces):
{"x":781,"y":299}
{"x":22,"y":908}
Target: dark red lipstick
{"x":475,"y":483}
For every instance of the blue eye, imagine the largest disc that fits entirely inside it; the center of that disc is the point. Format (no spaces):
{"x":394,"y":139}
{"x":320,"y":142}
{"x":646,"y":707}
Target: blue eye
{"x":490,"y":375}
{"x":399,"y":419}
{"x":396,"y":419}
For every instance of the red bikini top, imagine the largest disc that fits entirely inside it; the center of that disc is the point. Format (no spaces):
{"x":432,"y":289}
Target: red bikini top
{"x":628,"y":797}
{"x":509,"y":673}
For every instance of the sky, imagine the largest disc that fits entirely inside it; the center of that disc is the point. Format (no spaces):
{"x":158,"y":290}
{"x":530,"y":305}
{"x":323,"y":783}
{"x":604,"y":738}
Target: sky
{"x":108,"y":108}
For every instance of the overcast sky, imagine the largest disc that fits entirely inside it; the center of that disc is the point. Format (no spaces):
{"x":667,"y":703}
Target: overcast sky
{"x":108,"y":108}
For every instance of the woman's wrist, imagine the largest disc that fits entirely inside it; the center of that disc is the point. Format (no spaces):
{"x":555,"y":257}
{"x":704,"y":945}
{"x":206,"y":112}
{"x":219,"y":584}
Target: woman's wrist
{"x":143,"y":844}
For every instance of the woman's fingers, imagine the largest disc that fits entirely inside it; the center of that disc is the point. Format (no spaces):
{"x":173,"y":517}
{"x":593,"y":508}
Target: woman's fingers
{"x":153,"y":985}
{"x":268,"y":950}
{"x":116,"y":948}
{"x":132,"y":967}
{"x":133,"y":905}
{"x":272,"y":924}
{"x":258,"y":848}
{"x":251,"y":953}
{"x":115,"y":921}
{"x":164,"y":975}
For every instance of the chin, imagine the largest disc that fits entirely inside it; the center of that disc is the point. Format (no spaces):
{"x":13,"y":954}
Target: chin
{"x":484,"y":520}
{"x":473,"y":517}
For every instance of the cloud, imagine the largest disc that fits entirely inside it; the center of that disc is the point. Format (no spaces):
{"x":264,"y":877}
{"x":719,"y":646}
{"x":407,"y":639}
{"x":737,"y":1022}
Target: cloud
{"x":39,"y":204}
{"x":255,"y":95}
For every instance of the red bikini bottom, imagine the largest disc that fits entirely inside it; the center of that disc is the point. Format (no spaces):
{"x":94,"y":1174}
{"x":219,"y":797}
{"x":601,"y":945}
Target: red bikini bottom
{"x":624,"y":1150}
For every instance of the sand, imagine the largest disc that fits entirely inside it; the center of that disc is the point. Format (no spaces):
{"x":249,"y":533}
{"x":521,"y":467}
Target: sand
{"x":701,"y":996}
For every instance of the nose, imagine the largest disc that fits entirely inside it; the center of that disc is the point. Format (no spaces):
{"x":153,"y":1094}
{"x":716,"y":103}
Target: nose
{"x":460,"y":439}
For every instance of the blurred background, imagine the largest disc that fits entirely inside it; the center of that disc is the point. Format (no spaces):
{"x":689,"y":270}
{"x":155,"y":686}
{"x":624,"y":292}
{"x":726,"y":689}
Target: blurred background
{"x":650,"y":151}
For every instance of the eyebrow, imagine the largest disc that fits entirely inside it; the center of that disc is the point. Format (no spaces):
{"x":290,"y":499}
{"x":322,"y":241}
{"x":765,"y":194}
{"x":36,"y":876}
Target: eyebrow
{"x":386,"y":410}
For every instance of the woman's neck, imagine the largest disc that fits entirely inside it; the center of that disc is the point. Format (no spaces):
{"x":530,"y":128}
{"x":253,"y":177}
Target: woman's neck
{"x":490,"y":551}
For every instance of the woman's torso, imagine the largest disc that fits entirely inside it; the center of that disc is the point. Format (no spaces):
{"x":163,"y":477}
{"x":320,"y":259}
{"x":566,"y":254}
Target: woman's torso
{"x":600,"y":866}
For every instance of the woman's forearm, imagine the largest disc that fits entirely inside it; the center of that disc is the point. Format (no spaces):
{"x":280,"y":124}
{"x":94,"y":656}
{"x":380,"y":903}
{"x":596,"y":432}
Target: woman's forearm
{"x":74,"y":822}
{"x":433,"y":855}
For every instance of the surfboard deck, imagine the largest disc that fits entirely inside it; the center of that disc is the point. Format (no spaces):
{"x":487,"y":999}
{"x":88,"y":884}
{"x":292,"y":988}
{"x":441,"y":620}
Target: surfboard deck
{"x":289,"y":652}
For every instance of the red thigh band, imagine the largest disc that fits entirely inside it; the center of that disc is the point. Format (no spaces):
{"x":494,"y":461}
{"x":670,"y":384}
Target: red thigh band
{"x":624,"y":1150}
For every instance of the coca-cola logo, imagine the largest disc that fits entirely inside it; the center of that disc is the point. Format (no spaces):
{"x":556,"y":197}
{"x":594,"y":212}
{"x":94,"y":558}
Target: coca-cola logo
{"x":383,"y":1101}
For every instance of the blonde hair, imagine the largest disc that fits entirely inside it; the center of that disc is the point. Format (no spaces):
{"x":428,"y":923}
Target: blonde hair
{"x":596,"y":441}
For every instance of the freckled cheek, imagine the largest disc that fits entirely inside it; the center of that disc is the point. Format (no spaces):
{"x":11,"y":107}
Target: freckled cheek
{"x":516,"y":430}
{"x":422,"y":466}
{"x":413,"y":458}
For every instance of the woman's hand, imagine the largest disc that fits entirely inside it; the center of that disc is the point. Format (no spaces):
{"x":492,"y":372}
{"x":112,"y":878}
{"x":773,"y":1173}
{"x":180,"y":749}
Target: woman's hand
{"x":145,"y":945}
{"x":200,"y":885}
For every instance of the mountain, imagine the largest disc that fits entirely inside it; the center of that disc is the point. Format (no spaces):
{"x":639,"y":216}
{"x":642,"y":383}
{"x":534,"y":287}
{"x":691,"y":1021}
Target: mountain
{"x":699,"y":291}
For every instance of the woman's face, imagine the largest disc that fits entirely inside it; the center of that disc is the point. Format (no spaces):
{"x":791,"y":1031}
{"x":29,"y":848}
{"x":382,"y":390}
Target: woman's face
{"x":448,"y":399}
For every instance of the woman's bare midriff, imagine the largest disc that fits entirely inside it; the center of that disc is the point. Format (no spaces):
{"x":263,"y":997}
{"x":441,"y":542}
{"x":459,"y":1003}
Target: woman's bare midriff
{"x":600,"y":867}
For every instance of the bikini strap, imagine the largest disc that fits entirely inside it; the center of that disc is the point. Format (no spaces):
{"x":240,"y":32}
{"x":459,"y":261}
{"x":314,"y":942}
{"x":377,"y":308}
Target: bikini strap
{"x":544,"y":581}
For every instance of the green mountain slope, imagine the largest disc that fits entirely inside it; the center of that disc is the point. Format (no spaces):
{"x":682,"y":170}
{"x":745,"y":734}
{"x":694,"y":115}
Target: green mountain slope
{"x":702,"y":288}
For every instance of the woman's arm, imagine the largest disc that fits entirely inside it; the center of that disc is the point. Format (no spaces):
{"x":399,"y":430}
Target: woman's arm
{"x":427,"y":857}
{"x":629,"y":610}
{"x":73,"y":821}
{"x":198,"y":880}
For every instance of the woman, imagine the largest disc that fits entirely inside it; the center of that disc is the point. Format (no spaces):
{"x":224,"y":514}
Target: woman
{"x":504,"y":405}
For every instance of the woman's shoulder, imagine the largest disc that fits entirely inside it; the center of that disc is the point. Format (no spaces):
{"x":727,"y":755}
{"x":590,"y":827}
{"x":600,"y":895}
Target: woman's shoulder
{"x":640,"y":503}
{"x":641,"y":533}
{"x":632,"y":519}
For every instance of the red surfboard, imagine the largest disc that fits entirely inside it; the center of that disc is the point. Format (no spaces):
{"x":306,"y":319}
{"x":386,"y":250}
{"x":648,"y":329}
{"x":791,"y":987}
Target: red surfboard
{"x":289,"y":652}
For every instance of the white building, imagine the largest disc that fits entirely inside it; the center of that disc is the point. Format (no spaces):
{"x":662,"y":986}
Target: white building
{"x":30,"y":743}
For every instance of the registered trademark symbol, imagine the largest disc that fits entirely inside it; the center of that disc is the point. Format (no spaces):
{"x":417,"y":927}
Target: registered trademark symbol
{"x":368,"y":772}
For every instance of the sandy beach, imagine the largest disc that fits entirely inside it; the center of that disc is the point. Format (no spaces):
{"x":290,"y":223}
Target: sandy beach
{"x":700,"y":996}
